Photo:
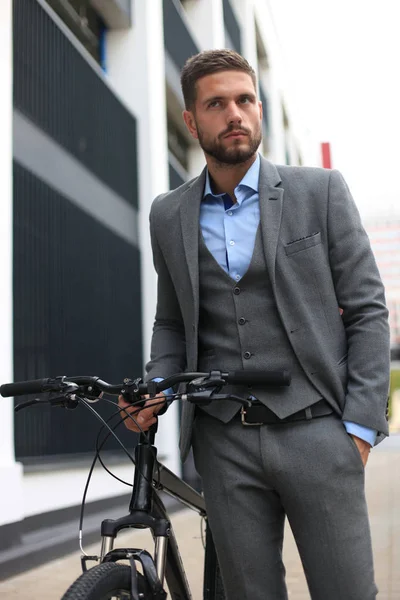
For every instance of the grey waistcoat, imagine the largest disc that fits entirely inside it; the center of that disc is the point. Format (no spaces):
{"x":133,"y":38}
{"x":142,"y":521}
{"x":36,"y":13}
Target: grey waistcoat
{"x":240,"y":328}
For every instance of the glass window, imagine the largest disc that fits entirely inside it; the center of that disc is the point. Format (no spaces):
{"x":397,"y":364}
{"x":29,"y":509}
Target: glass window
{"x":84,"y":22}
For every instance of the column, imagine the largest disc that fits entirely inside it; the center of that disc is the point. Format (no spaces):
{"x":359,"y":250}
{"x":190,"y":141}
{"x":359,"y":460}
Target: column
{"x":277,"y":151}
{"x":136,"y":68}
{"x":245,"y":8}
{"x":207,"y":23}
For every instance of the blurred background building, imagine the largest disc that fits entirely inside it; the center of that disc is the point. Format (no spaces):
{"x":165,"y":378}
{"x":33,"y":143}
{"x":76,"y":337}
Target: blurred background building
{"x":384,"y":234}
{"x":92,"y":90}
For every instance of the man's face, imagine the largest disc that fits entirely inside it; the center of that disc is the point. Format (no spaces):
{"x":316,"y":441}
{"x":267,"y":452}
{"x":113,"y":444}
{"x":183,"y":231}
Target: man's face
{"x":226,"y":117}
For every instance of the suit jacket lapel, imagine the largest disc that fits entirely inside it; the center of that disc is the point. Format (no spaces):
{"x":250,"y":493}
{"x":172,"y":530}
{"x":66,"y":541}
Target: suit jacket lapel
{"x":271,"y":204}
{"x":190,"y":218}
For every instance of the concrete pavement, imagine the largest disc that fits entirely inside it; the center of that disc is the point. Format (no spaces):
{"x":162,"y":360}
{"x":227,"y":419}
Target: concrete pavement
{"x":50,"y":581}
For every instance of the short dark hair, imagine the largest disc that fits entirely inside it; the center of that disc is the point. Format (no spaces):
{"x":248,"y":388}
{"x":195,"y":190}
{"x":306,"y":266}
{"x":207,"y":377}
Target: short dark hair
{"x":206,"y":63}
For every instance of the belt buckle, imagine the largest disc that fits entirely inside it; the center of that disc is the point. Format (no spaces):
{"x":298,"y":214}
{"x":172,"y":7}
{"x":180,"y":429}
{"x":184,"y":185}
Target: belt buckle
{"x":243,"y":419}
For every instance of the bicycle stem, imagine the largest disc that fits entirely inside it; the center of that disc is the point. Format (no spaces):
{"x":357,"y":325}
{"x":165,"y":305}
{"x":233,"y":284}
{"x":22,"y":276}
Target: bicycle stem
{"x":145,"y":457}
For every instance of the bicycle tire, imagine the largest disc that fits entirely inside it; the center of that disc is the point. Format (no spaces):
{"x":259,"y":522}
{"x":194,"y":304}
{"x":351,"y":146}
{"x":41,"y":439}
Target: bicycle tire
{"x":213,"y":587}
{"x":105,"y":582}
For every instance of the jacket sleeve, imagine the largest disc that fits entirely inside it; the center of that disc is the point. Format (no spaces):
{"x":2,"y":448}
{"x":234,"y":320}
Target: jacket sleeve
{"x":168,"y":348}
{"x":360,"y":295}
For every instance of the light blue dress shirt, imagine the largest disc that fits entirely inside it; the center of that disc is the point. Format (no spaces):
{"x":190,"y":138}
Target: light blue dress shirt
{"x":229,"y":233}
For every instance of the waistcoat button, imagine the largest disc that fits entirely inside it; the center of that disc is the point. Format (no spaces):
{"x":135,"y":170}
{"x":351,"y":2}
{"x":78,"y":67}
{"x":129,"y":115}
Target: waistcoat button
{"x":236,"y":290}
{"x":242,"y":321}
{"x":247,"y":354}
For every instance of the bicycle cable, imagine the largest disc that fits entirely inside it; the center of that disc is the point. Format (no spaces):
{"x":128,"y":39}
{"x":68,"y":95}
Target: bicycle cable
{"x":98,"y":449}
{"x":100,"y":418}
{"x":202,"y":532}
{"x":97,"y":455}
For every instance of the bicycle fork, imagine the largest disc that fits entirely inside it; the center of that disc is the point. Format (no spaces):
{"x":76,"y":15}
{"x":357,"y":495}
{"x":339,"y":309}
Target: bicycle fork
{"x":160,"y":552}
{"x":141,"y":512}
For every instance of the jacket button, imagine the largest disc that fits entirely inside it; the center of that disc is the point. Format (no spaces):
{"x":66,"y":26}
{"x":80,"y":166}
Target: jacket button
{"x":242,"y":321}
{"x":236,"y":290}
{"x":247,"y":354}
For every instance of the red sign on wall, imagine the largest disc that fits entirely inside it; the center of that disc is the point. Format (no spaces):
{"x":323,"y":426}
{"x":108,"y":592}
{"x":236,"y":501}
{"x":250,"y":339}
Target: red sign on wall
{"x":326,"y":155}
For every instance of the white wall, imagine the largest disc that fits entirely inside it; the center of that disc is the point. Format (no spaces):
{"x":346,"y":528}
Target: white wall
{"x":51,"y":490}
{"x":196,"y":161}
{"x":249,"y":46}
{"x":136,"y":70}
{"x":10,"y":471}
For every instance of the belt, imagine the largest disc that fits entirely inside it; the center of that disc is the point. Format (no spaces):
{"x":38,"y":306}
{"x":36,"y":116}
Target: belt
{"x":259,"y":414}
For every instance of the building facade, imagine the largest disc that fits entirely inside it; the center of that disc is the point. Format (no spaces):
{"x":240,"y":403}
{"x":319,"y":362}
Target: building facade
{"x":91,"y":133}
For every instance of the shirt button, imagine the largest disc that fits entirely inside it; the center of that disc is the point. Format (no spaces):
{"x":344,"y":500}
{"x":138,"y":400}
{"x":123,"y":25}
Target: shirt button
{"x":242,"y":321}
{"x":247,"y":355}
{"x":237,"y":277}
{"x":231,"y":243}
{"x":230,"y":213}
{"x":236,"y":290}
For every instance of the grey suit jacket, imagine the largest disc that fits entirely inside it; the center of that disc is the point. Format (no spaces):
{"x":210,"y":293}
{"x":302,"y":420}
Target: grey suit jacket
{"x":319,"y":261}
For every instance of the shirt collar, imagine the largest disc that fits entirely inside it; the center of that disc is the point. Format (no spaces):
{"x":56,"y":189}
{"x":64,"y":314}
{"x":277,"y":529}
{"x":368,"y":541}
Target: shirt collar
{"x":250,"y":179}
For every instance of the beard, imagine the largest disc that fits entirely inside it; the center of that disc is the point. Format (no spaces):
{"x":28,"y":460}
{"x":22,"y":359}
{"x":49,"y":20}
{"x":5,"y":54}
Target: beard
{"x":241,"y":150}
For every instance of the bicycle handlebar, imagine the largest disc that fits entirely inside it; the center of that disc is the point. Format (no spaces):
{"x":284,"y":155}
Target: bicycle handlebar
{"x":38,"y":386}
{"x":34,"y":386}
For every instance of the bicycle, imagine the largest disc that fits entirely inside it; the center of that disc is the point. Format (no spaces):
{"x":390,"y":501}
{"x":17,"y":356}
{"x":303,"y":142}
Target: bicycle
{"x":109,"y":579}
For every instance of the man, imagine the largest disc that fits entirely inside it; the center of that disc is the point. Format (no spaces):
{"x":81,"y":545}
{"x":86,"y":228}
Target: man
{"x":266,"y":267}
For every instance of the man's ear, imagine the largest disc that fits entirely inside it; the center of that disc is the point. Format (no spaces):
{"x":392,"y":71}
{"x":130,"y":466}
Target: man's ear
{"x":190,"y":123}
{"x":261,"y":109}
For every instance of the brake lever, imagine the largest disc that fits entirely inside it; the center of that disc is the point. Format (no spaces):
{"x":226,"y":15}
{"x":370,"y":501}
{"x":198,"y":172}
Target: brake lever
{"x":68,"y":401}
{"x":212,"y":380}
{"x":202,"y":398}
{"x":23,"y":405}
{"x":205,"y":397}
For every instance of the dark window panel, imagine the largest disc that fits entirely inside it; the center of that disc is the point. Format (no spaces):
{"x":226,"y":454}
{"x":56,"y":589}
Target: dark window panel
{"x":56,"y":88}
{"x":264,"y":100}
{"x":84,"y":22}
{"x":175,"y":179}
{"x":178,"y":40}
{"x":232,"y":26}
{"x":77,"y":310}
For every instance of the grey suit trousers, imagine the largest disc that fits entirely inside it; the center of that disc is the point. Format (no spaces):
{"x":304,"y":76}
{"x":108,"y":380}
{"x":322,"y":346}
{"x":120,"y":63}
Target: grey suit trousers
{"x":310,"y":471}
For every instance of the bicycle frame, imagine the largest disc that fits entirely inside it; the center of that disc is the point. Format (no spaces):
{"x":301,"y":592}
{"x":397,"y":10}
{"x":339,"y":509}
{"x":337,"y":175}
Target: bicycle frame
{"x":146,"y":510}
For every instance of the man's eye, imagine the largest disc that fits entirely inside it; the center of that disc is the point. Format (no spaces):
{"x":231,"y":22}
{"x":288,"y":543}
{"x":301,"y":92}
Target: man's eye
{"x":214,"y":104}
{"x":245,"y":100}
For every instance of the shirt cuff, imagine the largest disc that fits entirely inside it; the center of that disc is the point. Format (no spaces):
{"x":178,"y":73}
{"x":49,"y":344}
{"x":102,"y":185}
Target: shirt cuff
{"x":168,"y":391}
{"x":365,"y":433}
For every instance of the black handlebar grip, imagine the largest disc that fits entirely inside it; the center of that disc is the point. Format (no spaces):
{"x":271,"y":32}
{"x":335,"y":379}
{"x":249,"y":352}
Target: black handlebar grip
{"x":258,"y":378}
{"x":20,"y":388}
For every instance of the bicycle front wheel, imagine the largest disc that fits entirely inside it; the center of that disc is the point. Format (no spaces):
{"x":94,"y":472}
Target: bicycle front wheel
{"x":108,"y":581}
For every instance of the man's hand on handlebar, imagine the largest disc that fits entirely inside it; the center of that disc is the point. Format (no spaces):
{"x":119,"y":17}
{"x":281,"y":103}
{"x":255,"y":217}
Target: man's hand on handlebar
{"x":145,"y":416}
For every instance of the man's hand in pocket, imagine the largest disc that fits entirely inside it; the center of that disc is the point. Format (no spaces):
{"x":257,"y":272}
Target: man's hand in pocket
{"x":363,"y":447}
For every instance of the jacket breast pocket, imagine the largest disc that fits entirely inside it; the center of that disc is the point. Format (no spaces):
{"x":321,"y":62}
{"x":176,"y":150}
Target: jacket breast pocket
{"x":303,"y":244}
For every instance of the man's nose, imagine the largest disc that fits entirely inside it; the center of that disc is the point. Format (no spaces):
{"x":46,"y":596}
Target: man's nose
{"x":233,"y":113}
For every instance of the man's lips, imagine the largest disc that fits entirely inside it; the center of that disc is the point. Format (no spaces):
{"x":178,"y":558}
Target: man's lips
{"x":236,"y":134}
